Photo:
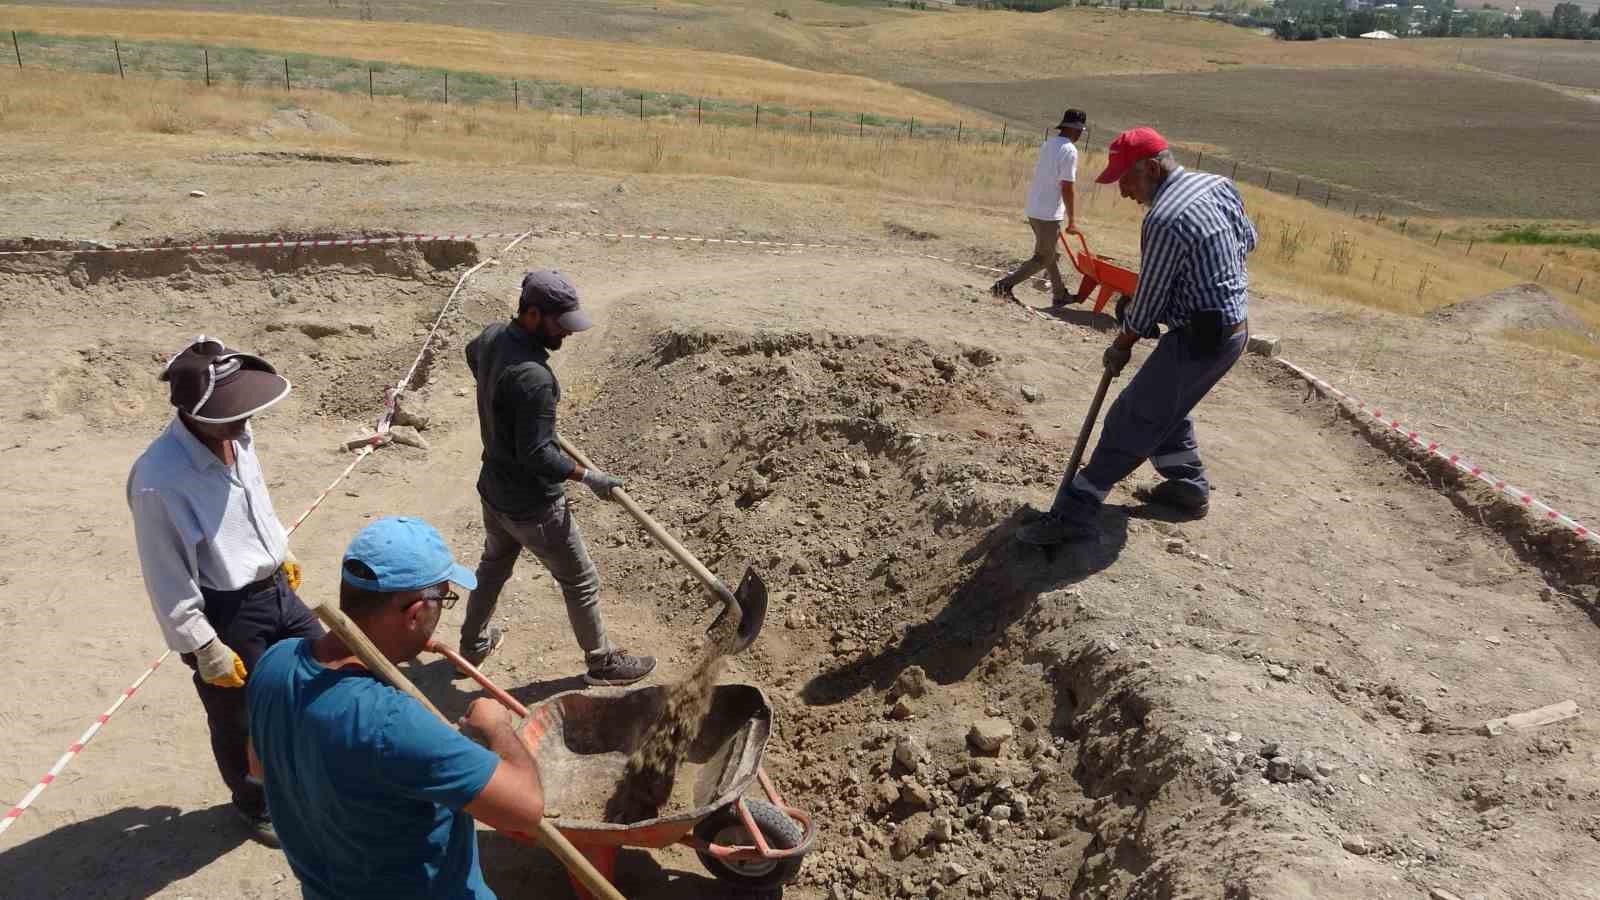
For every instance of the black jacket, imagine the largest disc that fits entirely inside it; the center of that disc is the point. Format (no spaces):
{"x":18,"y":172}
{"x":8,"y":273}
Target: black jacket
{"x":523,"y":466}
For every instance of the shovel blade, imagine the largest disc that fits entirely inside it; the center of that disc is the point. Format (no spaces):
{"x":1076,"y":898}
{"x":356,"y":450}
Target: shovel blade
{"x":751,"y":597}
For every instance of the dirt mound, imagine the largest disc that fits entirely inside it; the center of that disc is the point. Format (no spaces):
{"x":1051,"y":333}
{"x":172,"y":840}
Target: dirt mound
{"x":294,"y":121}
{"x":1522,"y":307}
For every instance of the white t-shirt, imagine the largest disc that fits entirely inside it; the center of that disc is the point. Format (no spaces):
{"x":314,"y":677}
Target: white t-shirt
{"x":1058,"y":162}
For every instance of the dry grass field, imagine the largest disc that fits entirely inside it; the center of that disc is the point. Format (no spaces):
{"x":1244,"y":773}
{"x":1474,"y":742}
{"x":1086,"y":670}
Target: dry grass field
{"x":610,"y":64}
{"x":1456,"y":143}
{"x":1307,"y":253}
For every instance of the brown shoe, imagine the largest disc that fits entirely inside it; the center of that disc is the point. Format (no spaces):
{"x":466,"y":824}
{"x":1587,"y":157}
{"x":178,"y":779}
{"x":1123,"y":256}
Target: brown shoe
{"x":1183,"y":499}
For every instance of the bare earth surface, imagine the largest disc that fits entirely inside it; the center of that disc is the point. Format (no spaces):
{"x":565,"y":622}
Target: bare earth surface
{"x":854,"y":423}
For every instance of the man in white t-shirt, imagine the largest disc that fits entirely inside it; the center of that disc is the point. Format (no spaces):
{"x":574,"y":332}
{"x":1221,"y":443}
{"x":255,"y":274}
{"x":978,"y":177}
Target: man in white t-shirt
{"x":1050,"y":198}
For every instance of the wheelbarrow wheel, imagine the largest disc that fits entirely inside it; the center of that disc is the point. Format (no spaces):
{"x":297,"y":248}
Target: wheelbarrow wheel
{"x":726,"y":827}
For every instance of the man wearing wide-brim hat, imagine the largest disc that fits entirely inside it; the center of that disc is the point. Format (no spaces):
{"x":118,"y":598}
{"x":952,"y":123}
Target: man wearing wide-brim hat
{"x":215,"y":557}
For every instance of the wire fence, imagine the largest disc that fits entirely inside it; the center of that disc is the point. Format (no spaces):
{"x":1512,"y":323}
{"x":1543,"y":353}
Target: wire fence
{"x":248,"y":67}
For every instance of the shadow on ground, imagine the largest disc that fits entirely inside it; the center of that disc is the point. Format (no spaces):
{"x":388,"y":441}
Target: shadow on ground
{"x":516,"y":870}
{"x":1009,"y":578}
{"x":133,"y":852}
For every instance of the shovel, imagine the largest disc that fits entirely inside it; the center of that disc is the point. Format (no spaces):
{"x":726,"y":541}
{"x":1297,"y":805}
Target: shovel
{"x":1088,"y":425}
{"x":747,"y":605}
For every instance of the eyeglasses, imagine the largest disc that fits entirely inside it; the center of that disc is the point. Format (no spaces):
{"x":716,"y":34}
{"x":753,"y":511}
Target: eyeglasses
{"x":445,"y":600}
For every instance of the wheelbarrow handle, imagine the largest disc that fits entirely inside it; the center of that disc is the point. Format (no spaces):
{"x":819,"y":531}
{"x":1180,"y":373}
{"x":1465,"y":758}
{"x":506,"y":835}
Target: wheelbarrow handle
{"x":554,"y":841}
{"x":1081,"y":240}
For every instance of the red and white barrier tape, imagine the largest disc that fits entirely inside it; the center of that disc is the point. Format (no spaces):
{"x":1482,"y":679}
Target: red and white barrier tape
{"x":264,"y":245}
{"x":366,"y":450}
{"x":76,"y":748}
{"x":1533,"y":504}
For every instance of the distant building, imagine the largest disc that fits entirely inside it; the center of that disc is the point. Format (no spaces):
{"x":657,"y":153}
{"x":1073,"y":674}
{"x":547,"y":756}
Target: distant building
{"x":1357,"y":5}
{"x":1380,"y":36}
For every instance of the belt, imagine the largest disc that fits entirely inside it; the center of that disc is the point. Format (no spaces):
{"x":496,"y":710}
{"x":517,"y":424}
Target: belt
{"x":252,"y":587}
{"x":1244,"y":325}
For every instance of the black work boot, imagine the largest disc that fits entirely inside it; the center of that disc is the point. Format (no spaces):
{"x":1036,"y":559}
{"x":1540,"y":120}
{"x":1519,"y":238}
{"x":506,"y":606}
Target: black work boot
{"x":1002,"y":290}
{"x":1051,"y":529}
{"x":259,"y":826}
{"x":1184,"y":499}
{"x":618,"y":667}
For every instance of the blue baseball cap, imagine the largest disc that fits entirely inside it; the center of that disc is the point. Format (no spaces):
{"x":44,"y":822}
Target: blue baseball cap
{"x":404,"y":554}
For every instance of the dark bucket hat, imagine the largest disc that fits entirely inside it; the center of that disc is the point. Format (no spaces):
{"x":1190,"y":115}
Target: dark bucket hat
{"x":214,"y":384}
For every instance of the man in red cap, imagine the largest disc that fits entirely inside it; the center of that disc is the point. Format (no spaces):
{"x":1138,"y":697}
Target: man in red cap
{"x":1193,"y":280}
{"x":1051,"y":197}
{"x":215,"y":557}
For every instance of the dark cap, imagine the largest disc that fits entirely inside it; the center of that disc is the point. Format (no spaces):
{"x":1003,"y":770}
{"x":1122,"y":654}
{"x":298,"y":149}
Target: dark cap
{"x":217,"y":385}
{"x":1074,"y":118}
{"x":553,"y":294}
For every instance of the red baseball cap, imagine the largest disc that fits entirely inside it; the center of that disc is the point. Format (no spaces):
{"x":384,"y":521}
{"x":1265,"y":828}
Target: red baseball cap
{"x":1130,"y":147}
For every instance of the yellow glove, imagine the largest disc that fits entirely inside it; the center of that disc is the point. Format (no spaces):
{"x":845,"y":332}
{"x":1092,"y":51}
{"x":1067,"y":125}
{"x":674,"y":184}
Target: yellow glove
{"x":292,"y":572}
{"x":219,"y":665}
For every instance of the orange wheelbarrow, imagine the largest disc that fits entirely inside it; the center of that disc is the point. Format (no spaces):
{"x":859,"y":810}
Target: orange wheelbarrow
{"x":1110,"y":278}
{"x":582,"y":740}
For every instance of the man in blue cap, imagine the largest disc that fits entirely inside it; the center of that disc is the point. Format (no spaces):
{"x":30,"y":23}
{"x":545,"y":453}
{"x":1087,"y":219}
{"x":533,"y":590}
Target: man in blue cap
{"x":372,"y":795}
{"x":522,"y":482}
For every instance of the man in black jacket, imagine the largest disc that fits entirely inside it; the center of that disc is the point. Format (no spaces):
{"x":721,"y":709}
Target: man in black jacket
{"x":524,"y":472}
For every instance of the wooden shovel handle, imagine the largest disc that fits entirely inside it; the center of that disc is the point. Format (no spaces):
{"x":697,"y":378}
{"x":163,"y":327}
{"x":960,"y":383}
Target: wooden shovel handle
{"x":373,"y":659}
{"x":659,"y":534}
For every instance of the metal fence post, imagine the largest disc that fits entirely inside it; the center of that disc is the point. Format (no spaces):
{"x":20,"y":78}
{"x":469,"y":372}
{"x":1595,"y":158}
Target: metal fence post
{"x":121,"y":72}
{"x":286,"y":74}
{"x":580,"y":101}
{"x":1297,"y":186}
{"x":641,"y":106}
{"x":516,"y":94}
{"x":1003,"y":133}
{"x":809,"y":116}
{"x":700,"y":110}
{"x":758,"y":117}
{"x":370,"y":94}
{"x":960,"y":126}
{"x":17,"y":47}
{"x":1234,"y":175}
{"x":206,"y":54}
{"x":447,"y":89}
{"x":1269,"y":180}
{"x":861,"y":127}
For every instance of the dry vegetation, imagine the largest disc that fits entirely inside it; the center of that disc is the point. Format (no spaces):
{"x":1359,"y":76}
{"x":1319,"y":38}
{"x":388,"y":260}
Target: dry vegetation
{"x":618,"y":65}
{"x":1306,"y":253}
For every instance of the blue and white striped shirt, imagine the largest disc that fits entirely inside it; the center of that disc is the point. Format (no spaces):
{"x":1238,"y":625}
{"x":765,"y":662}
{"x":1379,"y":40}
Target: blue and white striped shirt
{"x":1193,"y":246}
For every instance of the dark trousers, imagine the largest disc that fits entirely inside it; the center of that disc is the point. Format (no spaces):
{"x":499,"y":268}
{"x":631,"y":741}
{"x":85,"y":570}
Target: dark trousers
{"x":1150,"y":421}
{"x":249,"y":620}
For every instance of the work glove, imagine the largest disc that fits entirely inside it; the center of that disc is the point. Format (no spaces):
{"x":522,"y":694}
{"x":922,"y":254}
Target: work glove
{"x":1115,"y":358}
{"x":219,"y":665}
{"x":292,"y":572}
{"x":601,"y":483}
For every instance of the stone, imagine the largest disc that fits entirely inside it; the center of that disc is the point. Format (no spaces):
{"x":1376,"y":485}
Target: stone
{"x":1357,"y":844}
{"x":989,"y":735}
{"x":1326,"y":769}
{"x":862,"y":469}
{"x":1280,"y":769}
{"x":1175,"y":545}
{"x":1001,"y":812}
{"x":1269,"y":749}
{"x":942,"y":829}
{"x":952,"y":872}
{"x":987,"y":827}
{"x":902,"y":709}
{"x":1278,"y":673}
{"x":197,"y":193}
{"x":840,"y":891}
{"x":1019,"y":807}
{"x":1263,"y":345}
{"x":1365,"y":779}
{"x":1305,"y":764}
{"x":1233,"y":737}
{"x":909,"y":752}
{"x":910,"y":836}
{"x":911,"y":682}
{"x":408,"y":436}
{"x":413,"y":413}
{"x":1441,"y":894}
{"x":884,"y":795}
{"x":915,"y":798}
{"x":1031,"y":393}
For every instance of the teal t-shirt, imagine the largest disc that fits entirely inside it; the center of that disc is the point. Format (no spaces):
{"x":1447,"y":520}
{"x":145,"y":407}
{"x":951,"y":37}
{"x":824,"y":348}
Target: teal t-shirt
{"x":365,"y":785}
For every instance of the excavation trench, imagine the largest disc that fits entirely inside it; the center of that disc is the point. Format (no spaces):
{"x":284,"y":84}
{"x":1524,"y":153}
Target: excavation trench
{"x":863,"y":474}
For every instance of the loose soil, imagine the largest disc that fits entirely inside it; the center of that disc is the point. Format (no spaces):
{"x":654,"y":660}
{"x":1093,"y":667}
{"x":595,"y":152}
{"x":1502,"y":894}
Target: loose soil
{"x":853,"y":424}
{"x":1524,"y":307}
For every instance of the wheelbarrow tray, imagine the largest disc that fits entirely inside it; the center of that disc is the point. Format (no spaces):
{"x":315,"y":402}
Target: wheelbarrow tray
{"x":582,"y":741}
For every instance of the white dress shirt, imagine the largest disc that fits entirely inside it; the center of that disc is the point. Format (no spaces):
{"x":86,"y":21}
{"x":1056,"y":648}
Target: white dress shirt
{"x":200,"y":523}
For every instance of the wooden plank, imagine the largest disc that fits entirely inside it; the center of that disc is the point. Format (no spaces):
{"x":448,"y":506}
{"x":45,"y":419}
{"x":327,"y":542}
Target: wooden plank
{"x":1533,"y":718}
